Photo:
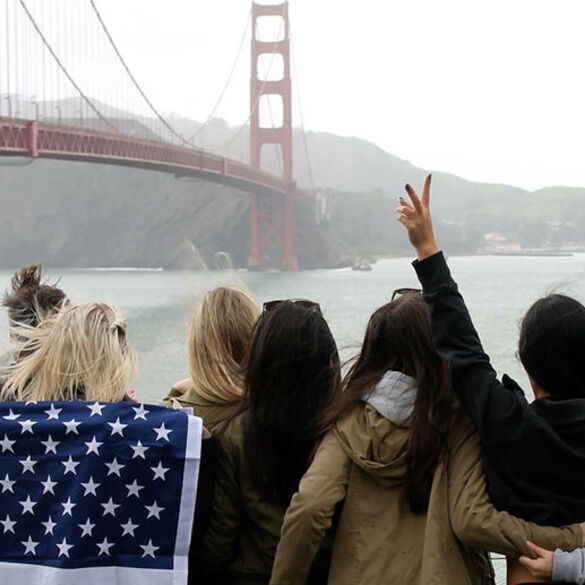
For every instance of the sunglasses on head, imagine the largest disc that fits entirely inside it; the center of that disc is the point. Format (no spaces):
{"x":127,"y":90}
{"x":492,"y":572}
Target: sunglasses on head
{"x":306,"y":304}
{"x":404,"y":291}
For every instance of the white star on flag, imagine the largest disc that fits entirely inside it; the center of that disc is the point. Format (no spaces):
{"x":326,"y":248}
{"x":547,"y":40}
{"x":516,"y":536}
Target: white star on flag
{"x":27,"y":426}
{"x":8,"y":524}
{"x":162,"y":432}
{"x":53,"y":412}
{"x":93,"y":446}
{"x":6,"y":444}
{"x":87,"y":528}
{"x":7,"y":484}
{"x":64,"y":548}
{"x":27,"y":505}
{"x":139,"y":450}
{"x":11,"y":415}
{"x":68,"y":507}
{"x":114,"y":467}
{"x":133,"y":489}
{"x":104,"y":547}
{"x":48,"y":485}
{"x":50,"y":445}
{"x":141,"y":412}
{"x":71,"y":426}
{"x":118,"y":427}
{"x":30,"y":546}
{"x":49,"y":525}
{"x":96,"y":408}
{"x":149,"y":549}
{"x":70,"y":466}
{"x":110,"y":508}
{"x":129,"y":528}
{"x":90,"y":487}
{"x":154,"y":510}
{"x":159,"y":471}
{"x":28,"y":465}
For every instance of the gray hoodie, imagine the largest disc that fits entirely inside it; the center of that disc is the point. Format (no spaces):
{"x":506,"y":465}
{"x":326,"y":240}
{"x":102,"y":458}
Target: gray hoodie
{"x":394,"y":397}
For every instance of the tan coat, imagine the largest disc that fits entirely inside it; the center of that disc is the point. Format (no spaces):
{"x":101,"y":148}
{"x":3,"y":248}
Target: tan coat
{"x":378,"y":540}
{"x":214,"y":414}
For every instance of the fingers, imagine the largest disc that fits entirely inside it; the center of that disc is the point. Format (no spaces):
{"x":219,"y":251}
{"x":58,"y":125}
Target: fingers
{"x":404,"y":202}
{"x":426,"y":192}
{"x":530,"y":564}
{"x":537,"y":550}
{"x":413,"y":197}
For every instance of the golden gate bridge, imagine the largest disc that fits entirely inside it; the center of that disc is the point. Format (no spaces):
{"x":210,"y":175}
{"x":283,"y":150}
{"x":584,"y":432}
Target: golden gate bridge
{"x":58,"y":53}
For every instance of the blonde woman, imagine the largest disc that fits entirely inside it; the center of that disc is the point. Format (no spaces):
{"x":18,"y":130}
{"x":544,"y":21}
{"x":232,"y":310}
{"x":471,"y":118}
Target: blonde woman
{"x":218,"y":341}
{"x":80,"y":354}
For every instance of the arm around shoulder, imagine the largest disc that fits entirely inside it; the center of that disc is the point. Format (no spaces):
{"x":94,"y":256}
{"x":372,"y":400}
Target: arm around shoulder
{"x":310,"y":513}
{"x":475,"y":520}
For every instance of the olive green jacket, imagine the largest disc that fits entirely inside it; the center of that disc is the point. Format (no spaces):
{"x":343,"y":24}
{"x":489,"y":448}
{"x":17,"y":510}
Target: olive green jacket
{"x":214,"y":414}
{"x":378,"y":539}
{"x":244,"y":525}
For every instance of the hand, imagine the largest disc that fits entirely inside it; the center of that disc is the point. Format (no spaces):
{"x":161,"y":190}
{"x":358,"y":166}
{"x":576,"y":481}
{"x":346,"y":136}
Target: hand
{"x":542,"y":565}
{"x":183,"y":385}
{"x":416,"y":218}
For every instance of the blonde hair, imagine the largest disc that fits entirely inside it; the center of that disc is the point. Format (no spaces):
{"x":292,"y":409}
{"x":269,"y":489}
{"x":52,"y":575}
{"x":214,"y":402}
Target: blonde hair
{"x":81,"y":353}
{"x":219,"y":338}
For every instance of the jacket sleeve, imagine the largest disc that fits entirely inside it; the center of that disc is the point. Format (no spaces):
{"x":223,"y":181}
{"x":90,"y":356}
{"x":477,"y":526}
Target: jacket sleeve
{"x":482,"y":395}
{"x":475,"y":520}
{"x":569,"y":567}
{"x":310,"y":512}
{"x":222,"y":530}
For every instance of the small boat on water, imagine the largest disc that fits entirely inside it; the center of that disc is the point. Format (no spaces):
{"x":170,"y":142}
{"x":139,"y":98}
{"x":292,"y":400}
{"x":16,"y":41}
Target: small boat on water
{"x":362,"y":264}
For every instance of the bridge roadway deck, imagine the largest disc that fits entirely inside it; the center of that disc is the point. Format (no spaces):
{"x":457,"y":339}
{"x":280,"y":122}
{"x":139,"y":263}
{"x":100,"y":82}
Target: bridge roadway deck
{"x":42,"y":140}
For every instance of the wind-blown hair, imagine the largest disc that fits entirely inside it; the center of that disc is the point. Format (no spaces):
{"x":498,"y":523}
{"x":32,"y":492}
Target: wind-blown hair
{"x":219,"y":338}
{"x":398,"y":337}
{"x":293,"y":375}
{"x":81,"y":353}
{"x":29,"y":300}
{"x":552,"y":345}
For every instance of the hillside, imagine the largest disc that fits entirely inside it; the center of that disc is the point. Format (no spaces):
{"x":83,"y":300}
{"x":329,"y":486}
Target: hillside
{"x":76,"y":214}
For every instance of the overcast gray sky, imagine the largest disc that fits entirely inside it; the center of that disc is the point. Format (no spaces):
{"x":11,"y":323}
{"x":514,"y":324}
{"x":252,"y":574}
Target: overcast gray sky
{"x":489,"y":90}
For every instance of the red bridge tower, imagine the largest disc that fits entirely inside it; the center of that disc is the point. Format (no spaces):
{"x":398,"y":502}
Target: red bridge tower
{"x":272,"y":241}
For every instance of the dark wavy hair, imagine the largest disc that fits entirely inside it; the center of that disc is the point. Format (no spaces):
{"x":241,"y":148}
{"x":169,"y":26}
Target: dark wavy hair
{"x":29,"y":299}
{"x":292,"y":376}
{"x":398,"y":337}
{"x":552,"y":346}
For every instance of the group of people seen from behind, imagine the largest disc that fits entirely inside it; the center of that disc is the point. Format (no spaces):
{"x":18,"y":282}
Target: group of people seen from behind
{"x":408,"y":467}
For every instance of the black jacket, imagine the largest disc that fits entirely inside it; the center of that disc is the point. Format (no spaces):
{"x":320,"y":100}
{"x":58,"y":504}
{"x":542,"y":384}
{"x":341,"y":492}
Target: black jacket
{"x":534,"y":453}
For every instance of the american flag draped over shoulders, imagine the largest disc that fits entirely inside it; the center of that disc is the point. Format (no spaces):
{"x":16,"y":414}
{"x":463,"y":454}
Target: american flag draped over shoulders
{"x":103,"y":492}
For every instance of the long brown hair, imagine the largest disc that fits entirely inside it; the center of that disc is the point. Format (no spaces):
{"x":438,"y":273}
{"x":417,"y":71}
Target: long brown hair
{"x":398,"y":337}
{"x":293,"y":375}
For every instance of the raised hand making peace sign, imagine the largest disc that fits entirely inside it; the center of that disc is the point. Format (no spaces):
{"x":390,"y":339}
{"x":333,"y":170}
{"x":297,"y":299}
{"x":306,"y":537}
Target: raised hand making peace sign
{"x":416,"y":218}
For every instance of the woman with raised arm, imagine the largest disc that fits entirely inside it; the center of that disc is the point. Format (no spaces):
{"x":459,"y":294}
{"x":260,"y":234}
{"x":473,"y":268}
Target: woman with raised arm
{"x":534,"y":452}
{"x":292,"y":377}
{"x":406,"y":464}
{"x":219,"y":338}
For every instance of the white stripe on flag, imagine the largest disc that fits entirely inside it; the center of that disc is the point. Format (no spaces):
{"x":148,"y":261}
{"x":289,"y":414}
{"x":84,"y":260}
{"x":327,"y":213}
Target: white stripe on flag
{"x":188,"y":494}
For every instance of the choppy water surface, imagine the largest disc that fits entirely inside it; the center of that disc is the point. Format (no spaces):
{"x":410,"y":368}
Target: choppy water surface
{"x":159,"y":305}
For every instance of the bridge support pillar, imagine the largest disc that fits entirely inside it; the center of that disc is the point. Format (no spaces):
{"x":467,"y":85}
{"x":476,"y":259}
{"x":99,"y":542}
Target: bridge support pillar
{"x":272,"y":243}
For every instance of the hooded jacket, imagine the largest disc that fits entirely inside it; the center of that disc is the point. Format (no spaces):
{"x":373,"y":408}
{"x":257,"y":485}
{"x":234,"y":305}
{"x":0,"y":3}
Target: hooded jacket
{"x":362,"y":462}
{"x":534,"y":453}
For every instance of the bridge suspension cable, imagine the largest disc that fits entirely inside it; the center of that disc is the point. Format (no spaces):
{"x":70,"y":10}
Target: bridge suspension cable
{"x":135,"y":82}
{"x":63,"y":68}
{"x":227,"y":83}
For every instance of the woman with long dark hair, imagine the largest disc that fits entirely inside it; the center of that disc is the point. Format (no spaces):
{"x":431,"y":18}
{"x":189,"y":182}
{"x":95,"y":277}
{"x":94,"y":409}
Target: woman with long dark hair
{"x":406,"y":465}
{"x":292,"y":377}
